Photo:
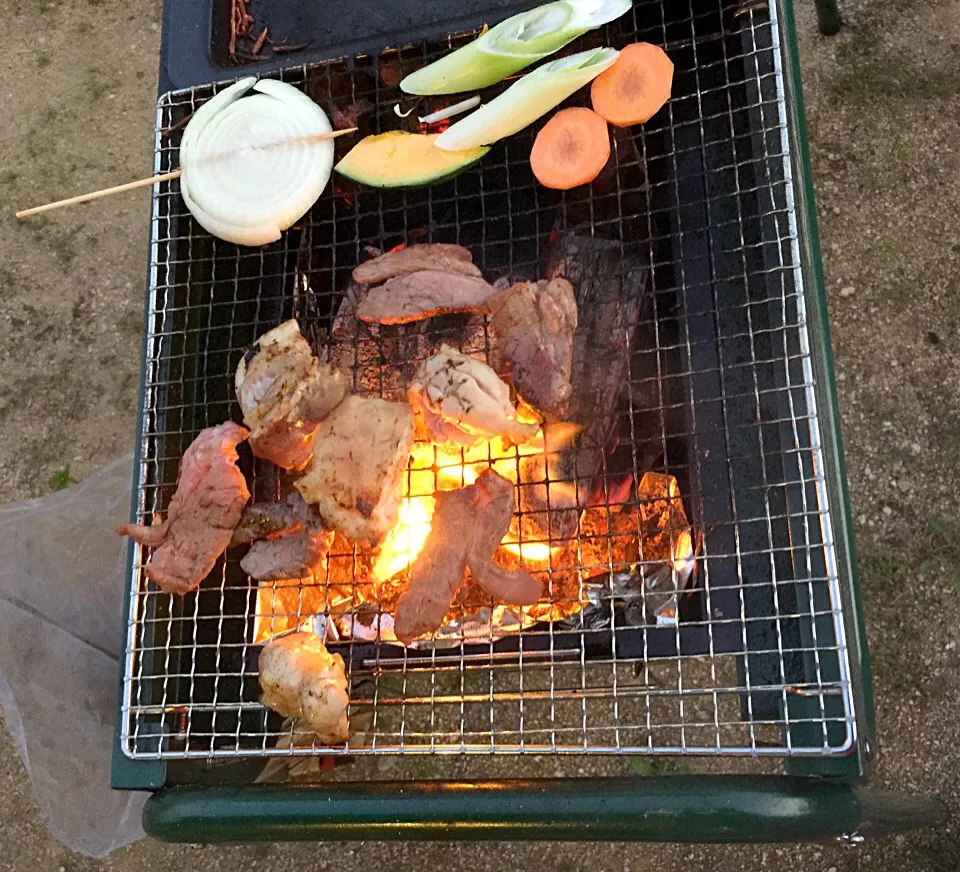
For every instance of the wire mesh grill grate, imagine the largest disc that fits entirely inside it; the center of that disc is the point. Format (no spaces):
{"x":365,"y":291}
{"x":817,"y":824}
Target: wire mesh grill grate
{"x":721,"y":396}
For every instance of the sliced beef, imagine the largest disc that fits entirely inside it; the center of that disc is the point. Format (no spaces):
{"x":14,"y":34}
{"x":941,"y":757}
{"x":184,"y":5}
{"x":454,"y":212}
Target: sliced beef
{"x":466,"y":530}
{"x":205,"y":509}
{"x":289,"y":539}
{"x":425,"y":294}
{"x":414,"y":258}
{"x":534,"y":325}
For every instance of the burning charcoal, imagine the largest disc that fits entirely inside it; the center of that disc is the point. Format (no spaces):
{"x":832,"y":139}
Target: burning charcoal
{"x":609,"y":285}
{"x":664,"y":554}
{"x":349,"y":115}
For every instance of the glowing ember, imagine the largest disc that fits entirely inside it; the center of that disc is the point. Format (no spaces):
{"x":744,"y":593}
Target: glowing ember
{"x":405,"y":541}
{"x":441,"y":467}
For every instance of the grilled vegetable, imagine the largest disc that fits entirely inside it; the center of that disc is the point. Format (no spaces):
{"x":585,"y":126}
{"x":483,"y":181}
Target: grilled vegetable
{"x":401,"y":160}
{"x":636,"y":87}
{"x":526,"y":100}
{"x":512,"y":45}
{"x":243,"y":179}
{"x":570,"y":149}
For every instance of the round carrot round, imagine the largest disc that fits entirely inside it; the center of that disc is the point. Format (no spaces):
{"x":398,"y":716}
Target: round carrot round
{"x":635,"y":88}
{"x":570,"y":149}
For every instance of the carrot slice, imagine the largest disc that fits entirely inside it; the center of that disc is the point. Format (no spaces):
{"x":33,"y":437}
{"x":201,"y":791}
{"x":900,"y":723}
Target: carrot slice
{"x":635,"y":88}
{"x":570,"y":149}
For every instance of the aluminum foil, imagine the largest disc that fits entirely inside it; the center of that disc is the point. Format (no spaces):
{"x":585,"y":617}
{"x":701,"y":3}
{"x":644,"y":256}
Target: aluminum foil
{"x":655,"y":561}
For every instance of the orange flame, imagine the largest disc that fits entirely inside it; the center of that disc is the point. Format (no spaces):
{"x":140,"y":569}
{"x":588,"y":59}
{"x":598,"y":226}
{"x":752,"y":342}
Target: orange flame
{"x":435,"y":468}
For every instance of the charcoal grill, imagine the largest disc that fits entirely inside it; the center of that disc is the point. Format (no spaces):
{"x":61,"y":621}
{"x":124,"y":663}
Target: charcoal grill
{"x":731,"y":392}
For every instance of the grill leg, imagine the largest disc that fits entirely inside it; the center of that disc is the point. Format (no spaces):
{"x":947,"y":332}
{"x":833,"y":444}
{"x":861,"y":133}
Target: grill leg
{"x":828,"y":16}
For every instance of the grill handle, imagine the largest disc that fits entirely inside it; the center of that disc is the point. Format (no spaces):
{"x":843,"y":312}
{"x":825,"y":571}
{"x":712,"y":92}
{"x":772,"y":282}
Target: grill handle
{"x":662,"y":808}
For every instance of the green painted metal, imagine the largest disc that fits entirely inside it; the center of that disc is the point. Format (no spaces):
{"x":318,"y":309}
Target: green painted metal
{"x":856,"y":765}
{"x":662,"y":809}
{"x":127,"y":774}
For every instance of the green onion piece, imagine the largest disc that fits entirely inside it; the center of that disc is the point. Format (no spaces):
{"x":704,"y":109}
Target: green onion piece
{"x":527,"y":99}
{"x":513,"y":45}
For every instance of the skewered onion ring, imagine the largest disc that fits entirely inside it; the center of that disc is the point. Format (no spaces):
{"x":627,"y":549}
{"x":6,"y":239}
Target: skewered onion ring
{"x":246,"y":173}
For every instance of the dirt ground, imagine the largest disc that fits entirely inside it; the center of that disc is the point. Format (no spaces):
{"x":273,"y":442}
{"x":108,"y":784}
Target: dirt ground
{"x":79,"y":80}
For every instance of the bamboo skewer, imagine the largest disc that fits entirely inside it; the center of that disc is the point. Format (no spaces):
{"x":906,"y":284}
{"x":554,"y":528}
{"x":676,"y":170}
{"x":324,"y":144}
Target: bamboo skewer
{"x":167,"y":177}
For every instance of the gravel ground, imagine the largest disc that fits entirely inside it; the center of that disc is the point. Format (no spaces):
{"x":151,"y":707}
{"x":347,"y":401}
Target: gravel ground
{"x":883,"y":98}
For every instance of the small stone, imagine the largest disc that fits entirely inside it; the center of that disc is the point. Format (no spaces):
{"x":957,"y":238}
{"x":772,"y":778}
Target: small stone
{"x":848,"y":291}
{"x":841,"y":376}
{"x":916,"y":448}
{"x":887,"y":511}
{"x":154,"y":26}
{"x":836,"y":210}
{"x":832,"y":869}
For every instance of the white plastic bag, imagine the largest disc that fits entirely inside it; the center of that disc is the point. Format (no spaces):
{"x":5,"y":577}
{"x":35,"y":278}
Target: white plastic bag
{"x":61,"y":598}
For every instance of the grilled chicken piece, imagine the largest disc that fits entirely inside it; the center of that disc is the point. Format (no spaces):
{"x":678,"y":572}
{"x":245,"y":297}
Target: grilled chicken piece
{"x":463,"y":400}
{"x":359,"y":456}
{"x":207,"y":505}
{"x":289,"y":539}
{"x":285,"y":392}
{"x":425,"y":294}
{"x":465,"y":531}
{"x":300,"y":678}
{"x":414,"y":258}
{"x":534,"y":324}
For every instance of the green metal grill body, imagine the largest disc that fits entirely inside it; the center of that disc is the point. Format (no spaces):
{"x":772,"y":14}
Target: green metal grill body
{"x":767,"y":662}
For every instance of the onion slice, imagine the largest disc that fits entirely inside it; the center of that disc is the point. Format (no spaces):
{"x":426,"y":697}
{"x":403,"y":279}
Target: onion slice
{"x":244,"y":177}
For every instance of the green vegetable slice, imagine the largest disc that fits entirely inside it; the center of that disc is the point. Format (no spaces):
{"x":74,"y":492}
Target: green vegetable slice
{"x":513,"y":45}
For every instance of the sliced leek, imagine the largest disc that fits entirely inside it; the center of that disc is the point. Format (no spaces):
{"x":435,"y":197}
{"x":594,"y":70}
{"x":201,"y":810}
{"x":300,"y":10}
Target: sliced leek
{"x":527,"y":99}
{"x":513,"y":45}
{"x":240,"y":179}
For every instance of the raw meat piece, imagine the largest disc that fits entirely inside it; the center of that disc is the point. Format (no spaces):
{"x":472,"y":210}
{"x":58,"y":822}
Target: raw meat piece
{"x":285,"y":392}
{"x":465,"y":531}
{"x":291,"y":539}
{"x":413,"y":258}
{"x":534,"y":324}
{"x":300,"y":678}
{"x":207,"y":505}
{"x":463,"y":400}
{"x":359,"y":455}
{"x":425,"y":294}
